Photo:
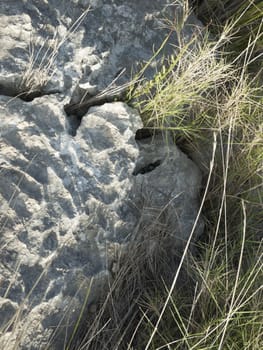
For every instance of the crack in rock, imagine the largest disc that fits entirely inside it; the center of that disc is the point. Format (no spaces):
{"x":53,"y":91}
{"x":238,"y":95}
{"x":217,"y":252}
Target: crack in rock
{"x":147,"y":168}
{"x":13,"y":89}
{"x":76,"y":110}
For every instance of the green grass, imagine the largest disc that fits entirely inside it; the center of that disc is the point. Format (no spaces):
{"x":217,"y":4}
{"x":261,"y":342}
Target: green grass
{"x":246,"y":17}
{"x":199,"y":93}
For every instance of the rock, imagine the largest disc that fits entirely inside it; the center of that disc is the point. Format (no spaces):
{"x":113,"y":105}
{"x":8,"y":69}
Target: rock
{"x":167,"y":181}
{"x":63,"y":201}
{"x":55,"y":46}
{"x":70,"y":204}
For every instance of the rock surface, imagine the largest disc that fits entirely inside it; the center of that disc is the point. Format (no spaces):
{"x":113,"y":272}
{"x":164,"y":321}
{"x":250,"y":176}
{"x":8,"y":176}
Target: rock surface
{"x":49,"y":46}
{"x":69,"y":204}
{"x":64,"y":200}
{"x":165,"y":188}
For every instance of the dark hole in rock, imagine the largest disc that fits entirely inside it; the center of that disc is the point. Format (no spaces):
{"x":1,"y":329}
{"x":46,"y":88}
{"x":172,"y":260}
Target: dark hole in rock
{"x":10,"y":89}
{"x":143,"y":133}
{"x":75,"y":112}
{"x":28,"y":96}
{"x":73,"y":124}
{"x":147,"y":168}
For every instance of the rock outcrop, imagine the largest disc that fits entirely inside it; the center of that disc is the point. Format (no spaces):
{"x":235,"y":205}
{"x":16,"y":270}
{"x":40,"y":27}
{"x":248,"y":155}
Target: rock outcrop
{"x":64,"y":202}
{"x":73,"y":188}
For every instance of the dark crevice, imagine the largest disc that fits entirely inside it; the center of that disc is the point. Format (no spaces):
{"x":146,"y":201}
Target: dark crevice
{"x":30,"y":96}
{"x":73,"y":124}
{"x":147,"y":168}
{"x":75,"y":111}
{"x":143,"y":133}
{"x":81,"y":108}
{"x":27,"y":96}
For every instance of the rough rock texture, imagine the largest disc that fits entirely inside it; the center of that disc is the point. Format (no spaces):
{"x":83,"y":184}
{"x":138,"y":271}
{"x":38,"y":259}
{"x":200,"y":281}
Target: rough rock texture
{"x":68,"y":204}
{"x":165,"y":187}
{"x":47,"y":46}
{"x":63,"y":199}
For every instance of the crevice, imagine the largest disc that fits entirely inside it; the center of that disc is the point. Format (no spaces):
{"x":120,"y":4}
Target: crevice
{"x":143,"y":133}
{"x":73,"y":124}
{"x":76,"y":110}
{"x":82,"y":107}
{"x":7,"y":89}
{"x":147,"y":168}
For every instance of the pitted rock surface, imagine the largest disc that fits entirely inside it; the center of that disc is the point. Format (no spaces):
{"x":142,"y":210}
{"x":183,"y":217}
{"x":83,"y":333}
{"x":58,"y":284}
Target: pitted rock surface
{"x":51,"y":46}
{"x":68,"y":205}
{"x":63,"y":200}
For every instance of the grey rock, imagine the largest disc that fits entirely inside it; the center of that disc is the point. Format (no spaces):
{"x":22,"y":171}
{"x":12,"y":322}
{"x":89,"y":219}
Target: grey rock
{"x":70,"y":204}
{"x":165,"y":184}
{"x":62,"y":200}
{"x":50,"y":46}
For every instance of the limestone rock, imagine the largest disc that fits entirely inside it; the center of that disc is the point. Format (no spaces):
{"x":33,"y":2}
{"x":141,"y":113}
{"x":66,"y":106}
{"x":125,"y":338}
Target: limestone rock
{"x":54,"y":46}
{"x":165,"y":184}
{"x":63,"y":203}
{"x":68,"y":204}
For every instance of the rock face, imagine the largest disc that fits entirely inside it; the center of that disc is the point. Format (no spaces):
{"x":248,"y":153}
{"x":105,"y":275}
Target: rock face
{"x":64,"y":199}
{"x":166,"y":180}
{"x":51,"y":46}
{"x":69,"y":203}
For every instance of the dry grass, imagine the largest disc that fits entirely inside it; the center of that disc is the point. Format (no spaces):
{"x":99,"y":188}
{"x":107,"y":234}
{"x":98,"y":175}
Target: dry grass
{"x":42,"y":60}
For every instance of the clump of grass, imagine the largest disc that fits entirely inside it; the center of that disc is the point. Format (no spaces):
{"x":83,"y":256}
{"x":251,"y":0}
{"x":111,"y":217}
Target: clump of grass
{"x":150,"y":257}
{"x":197,"y":94}
{"x":42,"y":59}
{"x":246,"y":17}
{"x":178,"y":97}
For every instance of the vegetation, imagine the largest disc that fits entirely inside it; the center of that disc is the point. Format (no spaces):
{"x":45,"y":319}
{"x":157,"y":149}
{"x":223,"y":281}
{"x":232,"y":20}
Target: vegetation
{"x":42,"y":55}
{"x":209,"y":98}
{"x":246,"y":17}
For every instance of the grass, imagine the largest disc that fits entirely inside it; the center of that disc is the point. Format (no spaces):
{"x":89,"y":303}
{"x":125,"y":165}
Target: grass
{"x":42,"y":60}
{"x":245,"y":15}
{"x":209,"y":297}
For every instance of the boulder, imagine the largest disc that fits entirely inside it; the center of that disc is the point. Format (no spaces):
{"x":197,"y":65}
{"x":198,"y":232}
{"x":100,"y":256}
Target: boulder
{"x":63,"y":203}
{"x":73,"y":190}
{"x":165,"y":189}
